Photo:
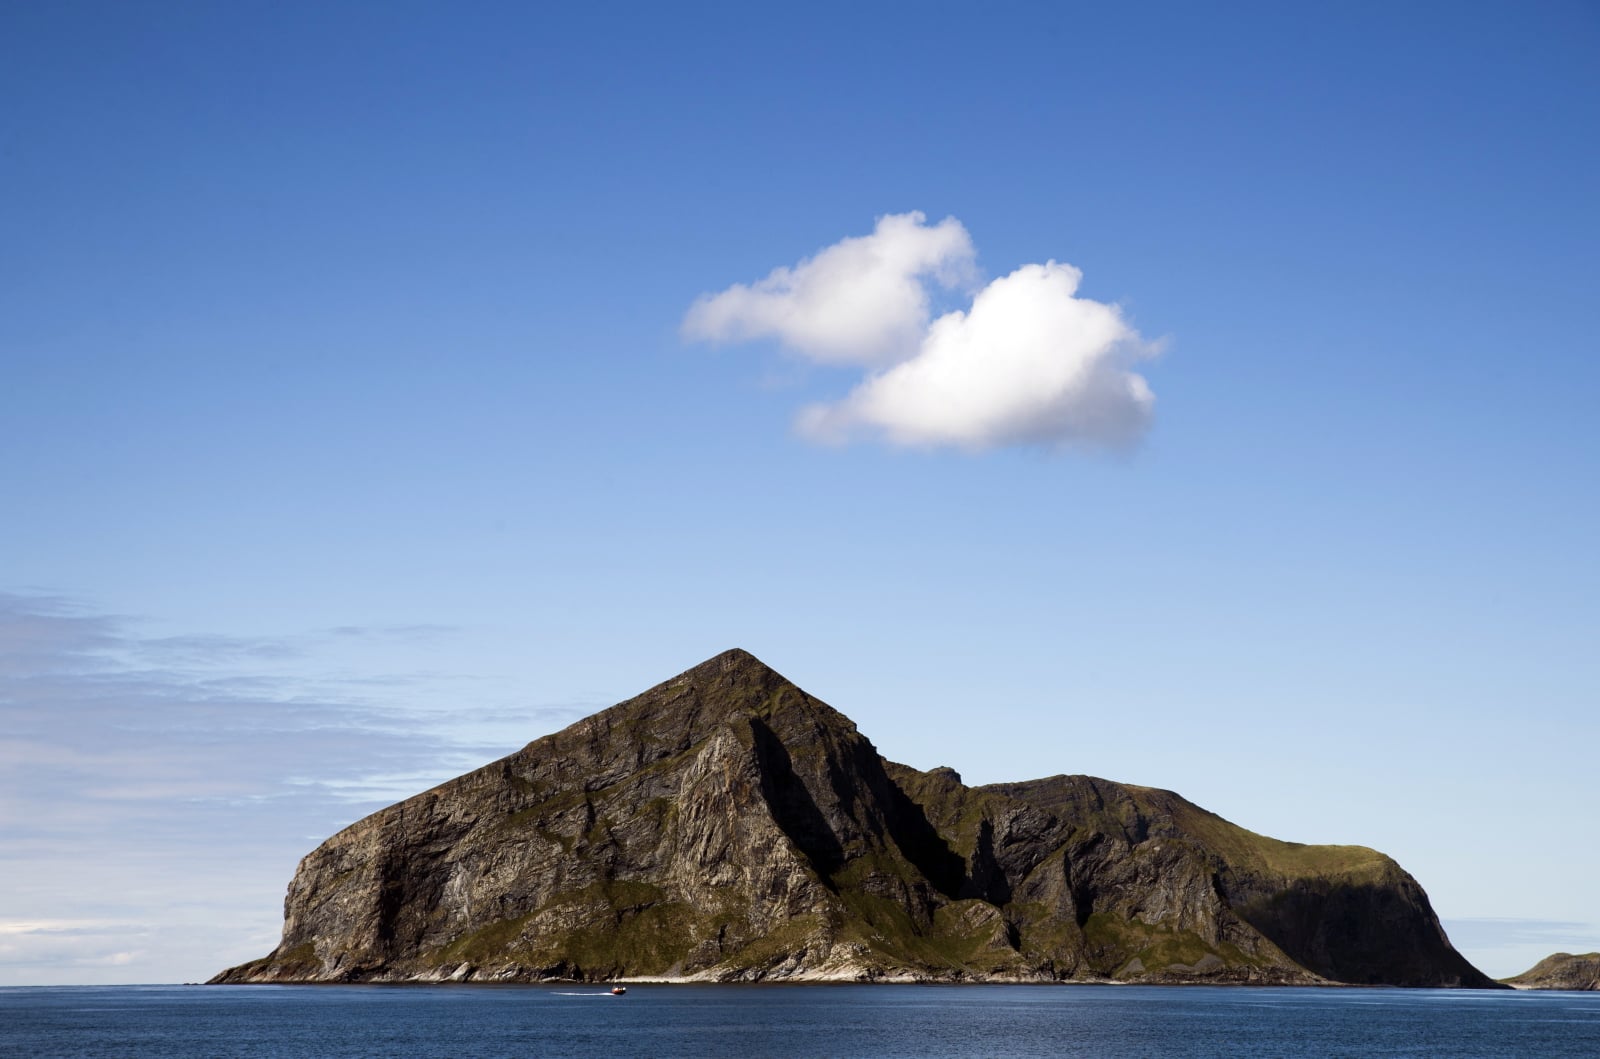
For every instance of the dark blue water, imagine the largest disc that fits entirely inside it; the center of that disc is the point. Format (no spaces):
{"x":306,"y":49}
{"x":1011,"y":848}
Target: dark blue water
{"x":712,"y":1021}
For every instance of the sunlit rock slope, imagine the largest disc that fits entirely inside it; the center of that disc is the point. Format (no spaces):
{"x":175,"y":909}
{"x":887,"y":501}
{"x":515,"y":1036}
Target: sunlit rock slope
{"x":725,"y":825}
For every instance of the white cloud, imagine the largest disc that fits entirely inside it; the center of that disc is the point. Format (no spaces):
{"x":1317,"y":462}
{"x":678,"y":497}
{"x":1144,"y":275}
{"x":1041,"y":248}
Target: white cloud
{"x":863,"y":300}
{"x":154,"y":762}
{"x":1030,"y":363}
{"x":114,"y":959}
{"x":52,"y":926}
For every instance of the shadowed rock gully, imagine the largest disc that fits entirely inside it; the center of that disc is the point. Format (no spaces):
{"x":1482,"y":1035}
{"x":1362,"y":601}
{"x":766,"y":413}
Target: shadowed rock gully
{"x":727,"y":826}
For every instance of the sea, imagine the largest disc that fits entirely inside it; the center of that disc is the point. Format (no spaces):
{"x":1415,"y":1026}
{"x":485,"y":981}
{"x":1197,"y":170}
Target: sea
{"x":706,"y":1021}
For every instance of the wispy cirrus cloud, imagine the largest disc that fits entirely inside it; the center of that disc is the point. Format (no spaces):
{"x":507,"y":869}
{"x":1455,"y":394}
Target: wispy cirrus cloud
{"x":1506,"y":945}
{"x":1504,"y":931}
{"x":156,"y":792}
{"x":1029,"y":362}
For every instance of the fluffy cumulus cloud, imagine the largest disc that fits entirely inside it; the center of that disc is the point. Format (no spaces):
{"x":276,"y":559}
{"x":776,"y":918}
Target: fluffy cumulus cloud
{"x":863,"y":300}
{"x":1030,"y":362}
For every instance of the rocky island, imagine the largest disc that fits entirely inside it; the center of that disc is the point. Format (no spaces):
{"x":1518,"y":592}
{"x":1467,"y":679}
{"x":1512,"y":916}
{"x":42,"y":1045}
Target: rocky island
{"x":1561,"y":970}
{"x":727,"y":826}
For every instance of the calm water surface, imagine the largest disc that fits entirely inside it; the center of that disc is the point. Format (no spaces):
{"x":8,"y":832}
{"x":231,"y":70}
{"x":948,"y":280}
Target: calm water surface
{"x":845,"y":1020}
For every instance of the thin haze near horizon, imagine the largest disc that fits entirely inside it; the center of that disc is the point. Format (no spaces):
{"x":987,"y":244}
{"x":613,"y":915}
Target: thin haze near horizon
{"x":1197,"y":398}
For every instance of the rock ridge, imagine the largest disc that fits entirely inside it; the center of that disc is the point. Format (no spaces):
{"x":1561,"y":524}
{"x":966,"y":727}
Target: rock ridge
{"x":725,"y":825}
{"x":1561,"y":970}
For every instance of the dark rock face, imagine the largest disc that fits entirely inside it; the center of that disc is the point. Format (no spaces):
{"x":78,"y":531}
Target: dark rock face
{"x":727,"y":826}
{"x":1561,"y":970}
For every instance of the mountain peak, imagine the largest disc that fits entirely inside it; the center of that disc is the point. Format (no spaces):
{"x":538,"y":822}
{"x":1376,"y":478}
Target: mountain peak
{"x":734,"y":681}
{"x":726,"y":825}
{"x":734,"y":659}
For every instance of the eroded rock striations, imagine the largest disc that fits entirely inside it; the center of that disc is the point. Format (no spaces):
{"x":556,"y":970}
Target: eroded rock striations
{"x":727,"y":826}
{"x":1561,"y":970}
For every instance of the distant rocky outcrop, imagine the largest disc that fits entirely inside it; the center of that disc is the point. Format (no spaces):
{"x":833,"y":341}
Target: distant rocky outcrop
{"x":726,"y":826}
{"x":1560,"y":970}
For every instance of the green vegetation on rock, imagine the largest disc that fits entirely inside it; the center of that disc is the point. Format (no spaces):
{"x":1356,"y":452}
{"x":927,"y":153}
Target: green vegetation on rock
{"x":725,"y":825}
{"x":1561,"y":970}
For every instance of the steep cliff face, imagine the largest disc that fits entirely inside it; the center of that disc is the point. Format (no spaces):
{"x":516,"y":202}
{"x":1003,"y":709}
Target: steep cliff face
{"x":1561,"y":970}
{"x":725,"y":825}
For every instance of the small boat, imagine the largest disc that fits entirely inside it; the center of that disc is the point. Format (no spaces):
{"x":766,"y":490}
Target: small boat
{"x":618,"y":990}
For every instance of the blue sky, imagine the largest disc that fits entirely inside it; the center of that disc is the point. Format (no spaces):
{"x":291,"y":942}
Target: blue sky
{"x":355,"y":425}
